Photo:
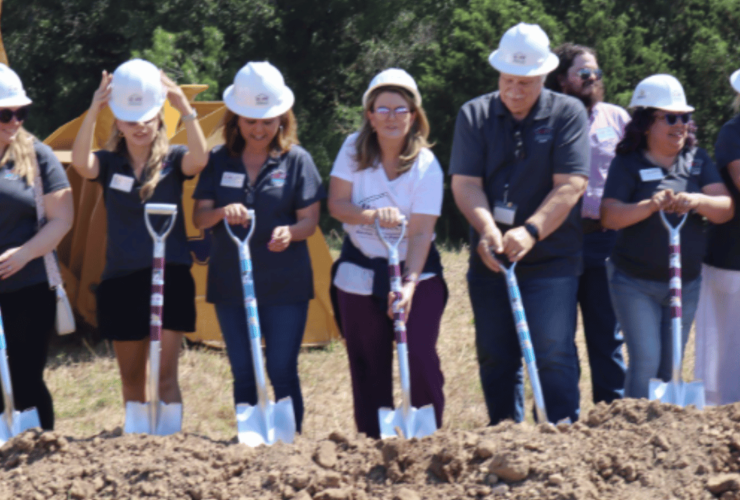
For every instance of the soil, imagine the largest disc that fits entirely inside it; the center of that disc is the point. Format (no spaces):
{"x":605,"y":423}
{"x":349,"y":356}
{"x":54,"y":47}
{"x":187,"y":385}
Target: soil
{"x":632,"y":449}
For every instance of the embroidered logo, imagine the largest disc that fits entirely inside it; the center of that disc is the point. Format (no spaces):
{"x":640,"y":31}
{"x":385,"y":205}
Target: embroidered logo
{"x":262,"y":100}
{"x":543,"y":135}
{"x":278,"y":178}
{"x":696,"y":167}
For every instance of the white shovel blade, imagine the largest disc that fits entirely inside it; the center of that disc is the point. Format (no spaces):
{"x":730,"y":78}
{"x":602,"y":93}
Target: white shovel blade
{"x":137,"y":419}
{"x":678,"y":393}
{"x":418,"y":423}
{"x":22,"y":421}
{"x":275,"y":423}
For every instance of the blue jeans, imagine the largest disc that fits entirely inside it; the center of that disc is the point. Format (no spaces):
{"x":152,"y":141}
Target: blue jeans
{"x":282,"y":328}
{"x":643,"y":310}
{"x":550,"y":306}
{"x":604,"y":338}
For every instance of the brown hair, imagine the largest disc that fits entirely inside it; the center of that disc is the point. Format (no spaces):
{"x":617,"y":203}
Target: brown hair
{"x":153,"y":168}
{"x":367,"y":149}
{"x":566,"y":53}
{"x":286,"y":137}
{"x":22,"y":153}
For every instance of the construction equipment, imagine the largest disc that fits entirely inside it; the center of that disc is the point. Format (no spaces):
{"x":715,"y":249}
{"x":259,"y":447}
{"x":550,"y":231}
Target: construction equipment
{"x":155,"y":417}
{"x":406,"y":422}
{"x":267,"y":422}
{"x":676,"y":391}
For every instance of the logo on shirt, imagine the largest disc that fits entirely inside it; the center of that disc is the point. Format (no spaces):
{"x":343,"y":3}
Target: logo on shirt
{"x":277,"y":178}
{"x":135,"y":100}
{"x":11,"y":176}
{"x":543,"y":135}
{"x":262,"y":99}
{"x":696,"y":167}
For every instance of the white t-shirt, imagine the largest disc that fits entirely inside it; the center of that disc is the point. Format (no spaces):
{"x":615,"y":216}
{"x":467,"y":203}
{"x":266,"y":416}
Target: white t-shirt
{"x":416,"y":191}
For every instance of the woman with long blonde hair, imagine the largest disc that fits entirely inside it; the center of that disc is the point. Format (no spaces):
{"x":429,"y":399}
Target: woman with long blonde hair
{"x":139,"y":166}
{"x":27,"y":304}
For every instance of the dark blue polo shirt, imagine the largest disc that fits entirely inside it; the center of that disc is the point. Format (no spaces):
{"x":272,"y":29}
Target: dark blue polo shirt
{"x":285,"y":184}
{"x":130,"y":246}
{"x":555,"y":141}
{"x":642,"y":249}
{"x":724,"y":239}
{"x":18,"y":223}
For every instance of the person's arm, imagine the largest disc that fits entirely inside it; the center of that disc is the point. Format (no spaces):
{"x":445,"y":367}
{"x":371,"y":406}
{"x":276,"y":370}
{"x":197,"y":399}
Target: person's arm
{"x":714,"y":203}
{"x":83,"y":160}
{"x":60,"y":215}
{"x":205,"y":215}
{"x":305,"y":226}
{"x":341,"y":207}
{"x":616,"y":214}
{"x":196,"y":157}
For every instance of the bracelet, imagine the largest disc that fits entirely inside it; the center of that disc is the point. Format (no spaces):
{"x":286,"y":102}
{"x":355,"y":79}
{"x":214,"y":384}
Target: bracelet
{"x":533,"y":231}
{"x":188,"y":118}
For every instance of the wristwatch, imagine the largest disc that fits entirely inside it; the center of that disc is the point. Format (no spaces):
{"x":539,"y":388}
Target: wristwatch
{"x":532,"y":230}
{"x":188,"y":118}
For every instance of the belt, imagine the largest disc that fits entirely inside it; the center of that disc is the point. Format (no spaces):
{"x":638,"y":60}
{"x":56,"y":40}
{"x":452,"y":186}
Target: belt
{"x":591,"y":225}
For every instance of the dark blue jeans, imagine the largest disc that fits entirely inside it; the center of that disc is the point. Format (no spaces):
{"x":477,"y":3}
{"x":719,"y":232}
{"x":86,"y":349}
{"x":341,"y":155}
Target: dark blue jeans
{"x":604,"y":337}
{"x":282,"y":328}
{"x":550,"y":306}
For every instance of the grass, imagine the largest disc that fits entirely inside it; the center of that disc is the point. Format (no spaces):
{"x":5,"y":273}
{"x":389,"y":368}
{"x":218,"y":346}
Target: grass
{"x":83,"y":378}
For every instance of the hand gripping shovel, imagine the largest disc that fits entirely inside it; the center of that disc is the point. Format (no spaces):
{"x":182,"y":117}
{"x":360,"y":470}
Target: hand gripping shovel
{"x":676,"y":391}
{"x":155,"y":417}
{"x":267,"y":422}
{"x":12,"y":422}
{"x":410,"y":422}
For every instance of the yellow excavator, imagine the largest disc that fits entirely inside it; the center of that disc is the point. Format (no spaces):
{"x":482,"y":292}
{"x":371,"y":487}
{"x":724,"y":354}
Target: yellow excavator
{"x":82,"y":251}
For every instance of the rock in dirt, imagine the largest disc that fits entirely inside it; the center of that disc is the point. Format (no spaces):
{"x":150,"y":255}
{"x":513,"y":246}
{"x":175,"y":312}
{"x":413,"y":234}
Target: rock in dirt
{"x":406,"y":494}
{"x":723,"y":482}
{"x":510,"y":468}
{"x":326,"y":454}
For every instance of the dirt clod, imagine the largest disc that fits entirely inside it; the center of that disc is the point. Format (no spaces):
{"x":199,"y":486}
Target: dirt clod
{"x":723,"y":482}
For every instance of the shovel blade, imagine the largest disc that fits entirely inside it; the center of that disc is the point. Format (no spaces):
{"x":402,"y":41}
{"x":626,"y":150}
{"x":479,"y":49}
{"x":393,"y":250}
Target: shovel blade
{"x":137,"y":419}
{"x":417,"y":423}
{"x":678,"y":393}
{"x":21,"y":421}
{"x":256,"y":426}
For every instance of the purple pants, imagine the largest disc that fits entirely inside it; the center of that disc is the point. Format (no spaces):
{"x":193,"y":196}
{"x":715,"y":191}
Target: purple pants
{"x":369,"y":336}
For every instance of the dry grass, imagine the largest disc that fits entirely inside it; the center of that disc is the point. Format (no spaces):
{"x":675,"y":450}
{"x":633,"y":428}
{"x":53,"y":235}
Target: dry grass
{"x":86,"y":387}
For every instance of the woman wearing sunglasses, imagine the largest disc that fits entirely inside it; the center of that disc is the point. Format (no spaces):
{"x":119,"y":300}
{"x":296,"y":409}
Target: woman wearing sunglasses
{"x":387,"y":172}
{"x":657,"y":167}
{"x":718,"y":314}
{"x":27,"y":304}
{"x":139,"y":166}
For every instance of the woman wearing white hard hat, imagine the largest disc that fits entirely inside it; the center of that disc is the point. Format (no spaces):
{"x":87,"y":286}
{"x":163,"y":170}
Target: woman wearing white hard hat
{"x":139,"y":166}
{"x":657,"y":167}
{"x":261,"y":167}
{"x":27,"y":304}
{"x":718,"y":314}
{"x":386,"y":172}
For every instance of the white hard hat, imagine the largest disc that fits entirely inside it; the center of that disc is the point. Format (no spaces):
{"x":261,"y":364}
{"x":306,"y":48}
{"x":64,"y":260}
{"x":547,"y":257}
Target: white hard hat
{"x":735,"y":80}
{"x":137,"y":93}
{"x":661,"y":92}
{"x":11,"y":89}
{"x":259,"y":92}
{"x":393,"y":77}
{"x":524,"y":50}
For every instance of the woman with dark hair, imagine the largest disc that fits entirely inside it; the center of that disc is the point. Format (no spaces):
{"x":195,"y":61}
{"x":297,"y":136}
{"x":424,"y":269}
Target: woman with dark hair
{"x":261,"y":167}
{"x":387,"y":172}
{"x":657,"y":167}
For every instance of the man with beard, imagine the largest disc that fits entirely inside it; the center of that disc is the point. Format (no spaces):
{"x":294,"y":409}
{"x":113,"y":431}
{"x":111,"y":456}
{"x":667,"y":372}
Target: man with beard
{"x":519,"y":167}
{"x":578,"y":74}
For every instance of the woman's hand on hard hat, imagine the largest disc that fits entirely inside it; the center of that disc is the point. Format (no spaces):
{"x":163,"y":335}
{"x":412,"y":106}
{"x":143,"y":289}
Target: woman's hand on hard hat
{"x":407,"y":293}
{"x":102,"y":94}
{"x":13,"y":260}
{"x":236,"y":214}
{"x":281,"y":238}
{"x":176,"y":96}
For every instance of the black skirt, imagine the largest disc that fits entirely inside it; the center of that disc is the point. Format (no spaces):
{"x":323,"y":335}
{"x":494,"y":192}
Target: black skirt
{"x":123,"y":304}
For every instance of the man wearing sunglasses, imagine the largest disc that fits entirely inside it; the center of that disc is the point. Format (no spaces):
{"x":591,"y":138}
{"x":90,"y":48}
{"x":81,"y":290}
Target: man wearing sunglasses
{"x":578,"y":75}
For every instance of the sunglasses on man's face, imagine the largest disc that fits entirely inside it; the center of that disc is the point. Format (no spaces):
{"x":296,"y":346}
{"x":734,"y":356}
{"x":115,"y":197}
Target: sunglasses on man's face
{"x":6,"y":114}
{"x":585,"y":73}
{"x":672,"y":118}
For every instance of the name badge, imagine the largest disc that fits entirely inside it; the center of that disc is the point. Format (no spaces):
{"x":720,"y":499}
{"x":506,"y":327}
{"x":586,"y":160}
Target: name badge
{"x":606,"y":133}
{"x":651,"y":174}
{"x":122,"y":183}
{"x":233,"y":180}
{"x":504,"y":213}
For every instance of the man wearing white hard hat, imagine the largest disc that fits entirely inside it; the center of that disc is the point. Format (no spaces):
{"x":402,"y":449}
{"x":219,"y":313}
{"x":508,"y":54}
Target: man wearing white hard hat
{"x":261,"y":167}
{"x":27,"y":304}
{"x":717,"y":316}
{"x":657,"y":167}
{"x":139,"y":166}
{"x":520,"y":163}
{"x":387,"y":172}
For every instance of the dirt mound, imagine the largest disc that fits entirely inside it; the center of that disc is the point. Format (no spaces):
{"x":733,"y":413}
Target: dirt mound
{"x":629,"y":450}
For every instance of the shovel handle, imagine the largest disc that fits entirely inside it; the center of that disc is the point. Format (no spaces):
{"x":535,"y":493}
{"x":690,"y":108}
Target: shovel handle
{"x":675,"y":286}
{"x":157,"y":296}
{"x":394,"y":272}
{"x":245,"y":241}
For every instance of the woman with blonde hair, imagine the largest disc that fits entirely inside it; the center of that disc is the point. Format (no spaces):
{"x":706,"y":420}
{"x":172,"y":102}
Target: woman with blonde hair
{"x":261,"y":167}
{"x":386,"y":172}
{"x":137,"y":167}
{"x":27,"y":304}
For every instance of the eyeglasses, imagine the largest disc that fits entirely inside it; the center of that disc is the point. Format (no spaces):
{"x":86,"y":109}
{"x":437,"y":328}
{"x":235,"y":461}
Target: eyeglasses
{"x":385,"y":112}
{"x":672,"y":118}
{"x":519,"y":146}
{"x":585,"y":73}
{"x":6,"y":114}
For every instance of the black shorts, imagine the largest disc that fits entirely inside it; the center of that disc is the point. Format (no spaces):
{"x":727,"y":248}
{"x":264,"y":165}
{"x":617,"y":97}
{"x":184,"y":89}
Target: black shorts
{"x":123,"y":306}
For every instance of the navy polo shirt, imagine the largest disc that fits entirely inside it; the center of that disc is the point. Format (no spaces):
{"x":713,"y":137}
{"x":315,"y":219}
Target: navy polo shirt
{"x":642,"y":249}
{"x":555,"y":141}
{"x":724,"y":239}
{"x":130,"y":246}
{"x":18,"y":223}
{"x":285,"y":184}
